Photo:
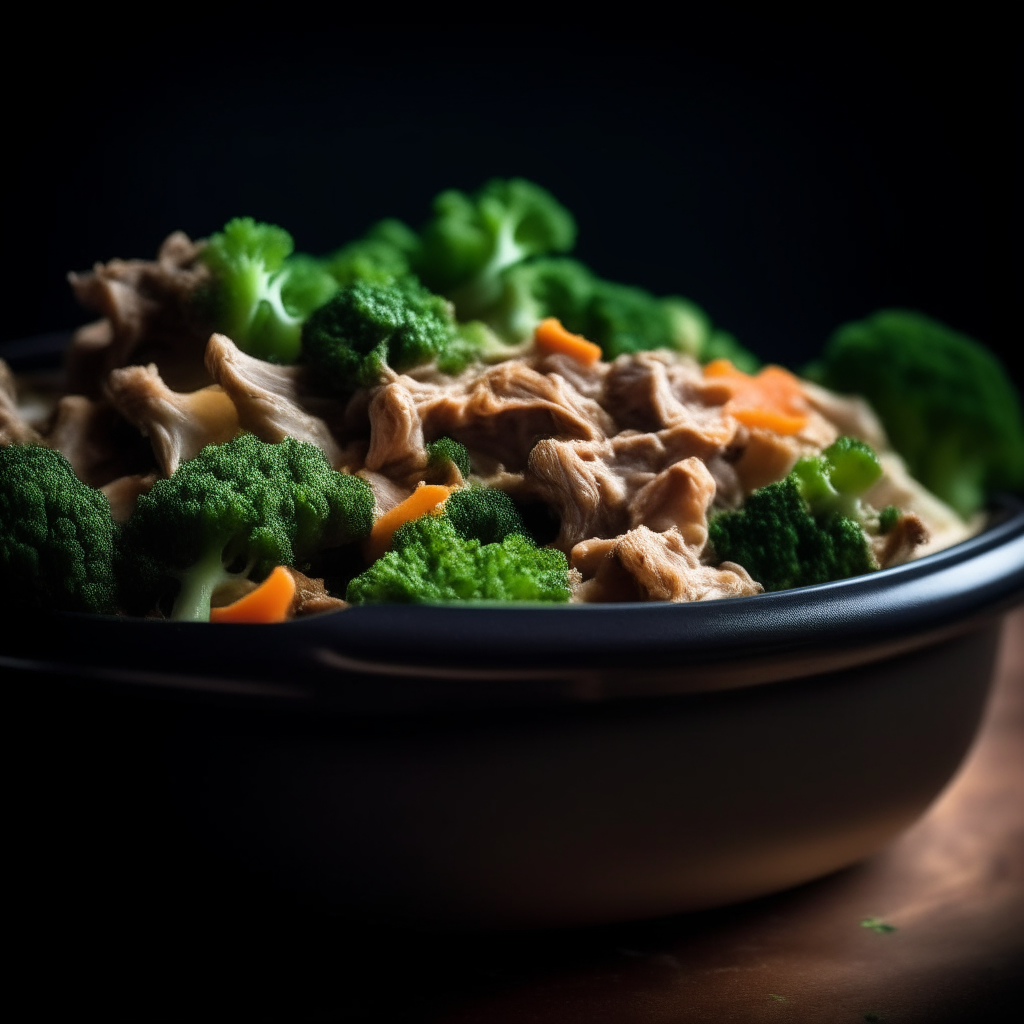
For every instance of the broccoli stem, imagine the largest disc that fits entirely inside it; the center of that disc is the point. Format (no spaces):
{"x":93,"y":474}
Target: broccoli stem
{"x":197,"y":586}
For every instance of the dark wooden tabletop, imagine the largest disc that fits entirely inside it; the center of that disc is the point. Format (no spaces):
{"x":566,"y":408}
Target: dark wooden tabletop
{"x":930,"y":929}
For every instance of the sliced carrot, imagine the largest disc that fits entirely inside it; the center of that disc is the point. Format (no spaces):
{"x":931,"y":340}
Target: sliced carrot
{"x":724,"y":368}
{"x":269,"y":602}
{"x":424,"y":499}
{"x":773,"y":399}
{"x":769,"y":420}
{"x":551,"y":336}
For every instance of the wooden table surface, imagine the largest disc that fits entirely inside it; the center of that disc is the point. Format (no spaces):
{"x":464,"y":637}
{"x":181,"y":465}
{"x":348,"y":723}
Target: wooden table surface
{"x":947,"y":899}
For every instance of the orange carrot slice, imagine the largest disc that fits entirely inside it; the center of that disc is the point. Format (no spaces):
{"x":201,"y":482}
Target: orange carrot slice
{"x":551,"y":336}
{"x":773,"y":399}
{"x":424,"y":499}
{"x":269,"y":602}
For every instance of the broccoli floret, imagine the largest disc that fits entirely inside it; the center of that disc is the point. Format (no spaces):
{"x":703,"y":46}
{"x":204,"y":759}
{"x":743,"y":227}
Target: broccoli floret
{"x":444,"y":449}
{"x":471,"y":240}
{"x":56,"y":535}
{"x":617,"y":317}
{"x":368,"y":325}
{"x":431,"y":562}
{"x":384,"y":254}
{"x":260,"y":297}
{"x":808,"y":528}
{"x":245,"y":505}
{"x":485,"y":514}
{"x":888,"y":518}
{"x":945,"y":400}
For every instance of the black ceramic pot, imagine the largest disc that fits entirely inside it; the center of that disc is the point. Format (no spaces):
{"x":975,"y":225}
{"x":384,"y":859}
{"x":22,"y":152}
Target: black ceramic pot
{"x":512,"y":766}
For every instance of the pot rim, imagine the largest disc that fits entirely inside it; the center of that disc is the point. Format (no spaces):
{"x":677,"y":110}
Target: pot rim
{"x":386,"y":657}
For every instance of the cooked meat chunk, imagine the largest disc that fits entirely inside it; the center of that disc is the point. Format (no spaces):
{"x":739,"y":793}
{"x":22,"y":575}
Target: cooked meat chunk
{"x":124,"y":492}
{"x":149,"y":315}
{"x":311,"y":596}
{"x":677,"y":498}
{"x":97,"y":440}
{"x":592,"y":485}
{"x":506,"y":409}
{"x":901,"y":542}
{"x":13,"y":429}
{"x":269,"y":398}
{"x":588,"y":380}
{"x":652,"y":390}
{"x":178,"y":425}
{"x":397,"y":448}
{"x":648,"y":566}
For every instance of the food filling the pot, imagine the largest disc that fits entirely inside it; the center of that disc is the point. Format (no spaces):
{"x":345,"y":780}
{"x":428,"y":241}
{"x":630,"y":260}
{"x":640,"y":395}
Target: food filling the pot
{"x":248,"y":434}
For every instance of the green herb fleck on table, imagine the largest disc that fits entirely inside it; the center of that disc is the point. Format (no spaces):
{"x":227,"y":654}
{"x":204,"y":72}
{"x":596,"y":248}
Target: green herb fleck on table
{"x":778,"y":999}
{"x":876,"y":924}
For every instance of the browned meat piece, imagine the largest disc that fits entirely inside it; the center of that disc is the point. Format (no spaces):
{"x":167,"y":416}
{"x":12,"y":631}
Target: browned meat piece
{"x":652,"y":390}
{"x":648,"y":566}
{"x":506,"y":409}
{"x":592,"y":485}
{"x":899,"y":544}
{"x":397,"y":448}
{"x":677,"y":498}
{"x":589,"y":381}
{"x":311,"y":597}
{"x":13,"y":429}
{"x":124,"y":492}
{"x":269,"y":398}
{"x":97,"y":440}
{"x":179,"y":426}
{"x":149,"y":316}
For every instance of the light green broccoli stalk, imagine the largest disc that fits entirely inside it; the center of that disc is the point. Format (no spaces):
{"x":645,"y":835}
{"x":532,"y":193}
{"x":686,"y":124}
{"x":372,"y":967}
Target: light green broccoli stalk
{"x":472,"y":240}
{"x":809,"y":528}
{"x":947,"y":404}
{"x":242,"y":507}
{"x":56,"y":536}
{"x":431,"y":562}
{"x":261,"y":294}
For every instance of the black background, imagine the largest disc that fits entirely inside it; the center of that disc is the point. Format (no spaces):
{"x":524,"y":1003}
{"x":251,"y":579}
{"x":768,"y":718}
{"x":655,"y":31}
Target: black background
{"x":786,"y":183}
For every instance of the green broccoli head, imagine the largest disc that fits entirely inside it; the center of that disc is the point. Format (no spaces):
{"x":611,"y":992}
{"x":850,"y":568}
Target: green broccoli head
{"x":245,"y":504}
{"x":485,"y":514}
{"x":56,"y":535}
{"x":619,"y":318}
{"x":471,"y":240}
{"x":777,"y":540}
{"x":444,"y":449}
{"x":259,"y":296}
{"x":368,"y":325}
{"x":431,"y":562}
{"x":945,"y":400}
{"x":384,"y":254}
{"x":808,"y":528}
